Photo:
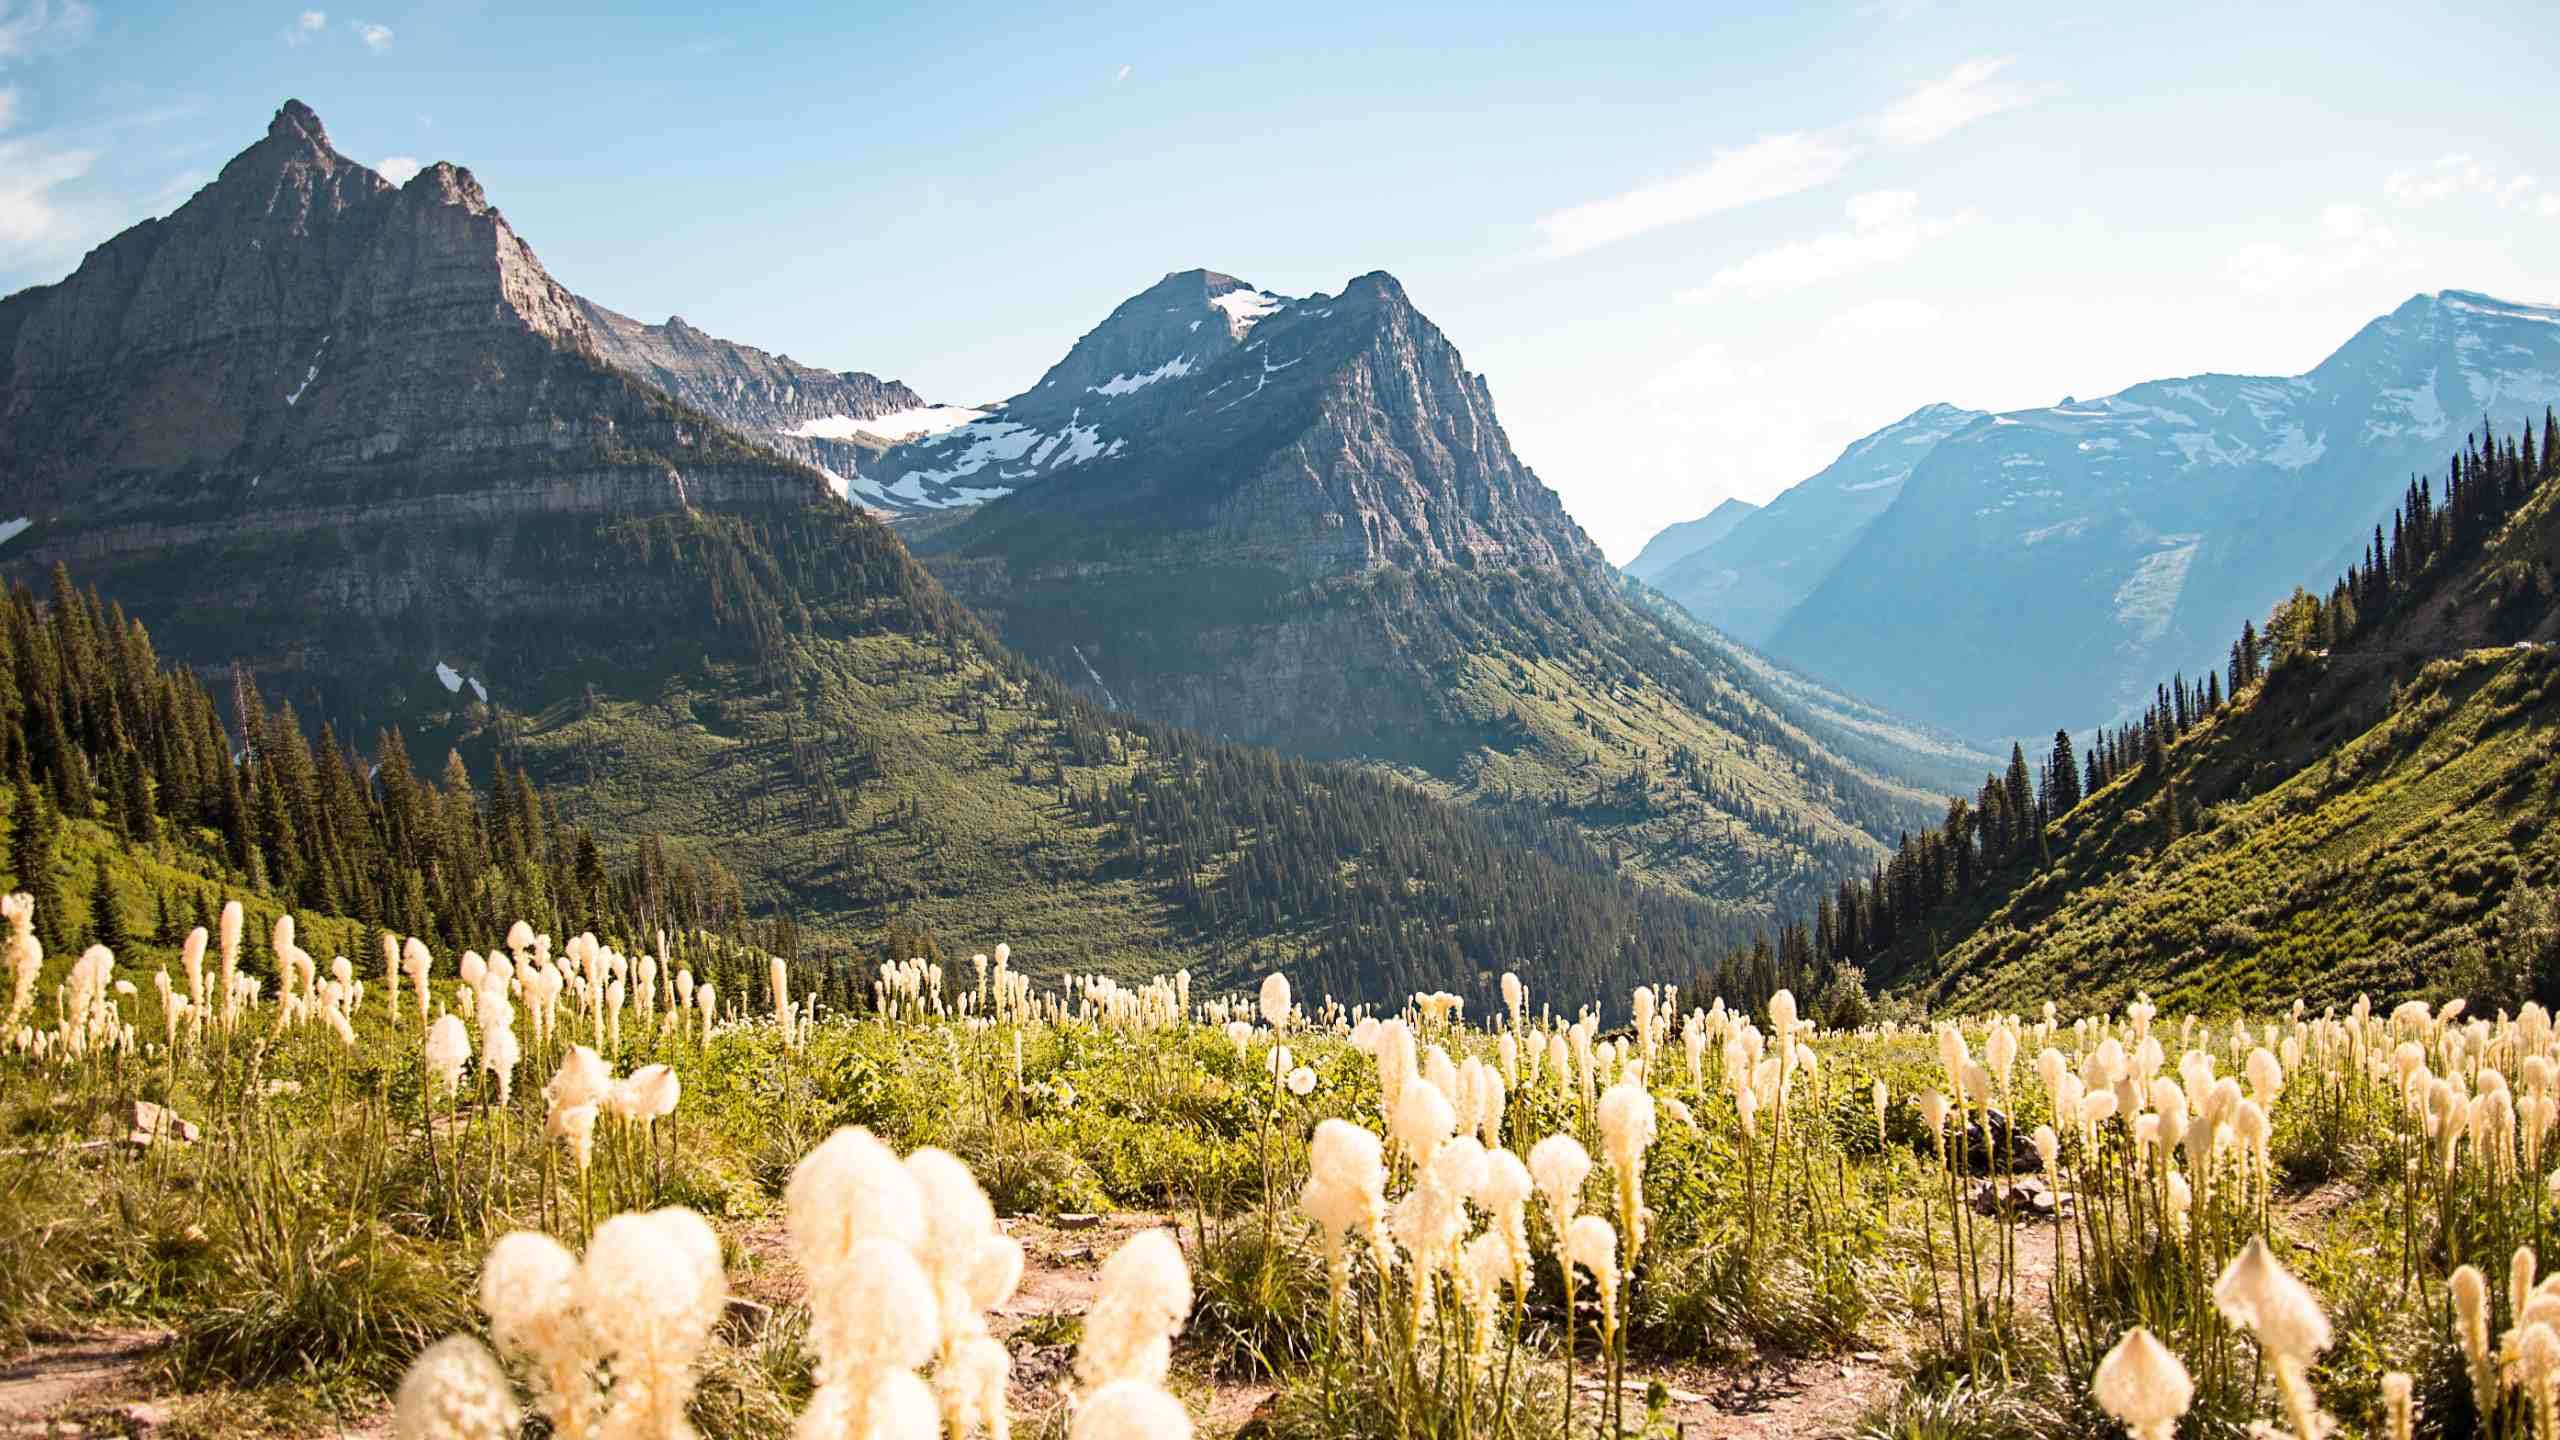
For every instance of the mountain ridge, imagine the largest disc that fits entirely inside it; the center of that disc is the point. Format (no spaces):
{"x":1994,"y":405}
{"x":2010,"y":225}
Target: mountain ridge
{"x":413,"y":496}
{"x":1301,"y":524}
{"x":2047,"y":564}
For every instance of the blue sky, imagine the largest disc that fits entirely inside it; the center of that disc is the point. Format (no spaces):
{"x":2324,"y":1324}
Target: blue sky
{"x":1695,"y":250}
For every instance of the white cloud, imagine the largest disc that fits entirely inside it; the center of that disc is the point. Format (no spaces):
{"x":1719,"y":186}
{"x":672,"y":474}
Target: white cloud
{"x":40,"y":24}
{"x":1786,"y":164}
{"x":377,"y":38}
{"x":33,"y":222}
{"x":1733,"y":177}
{"x":2348,"y":242}
{"x":398,"y":169}
{"x":1122,"y":75}
{"x":8,"y":105}
{"x":1885,"y":226}
{"x":2463,"y":177}
{"x":306,"y":25}
{"x":1972,"y":91}
{"x":1702,"y":371}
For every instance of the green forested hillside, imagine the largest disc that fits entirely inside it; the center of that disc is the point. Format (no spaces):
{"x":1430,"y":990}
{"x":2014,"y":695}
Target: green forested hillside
{"x":880,"y":770}
{"x":2369,"y":810}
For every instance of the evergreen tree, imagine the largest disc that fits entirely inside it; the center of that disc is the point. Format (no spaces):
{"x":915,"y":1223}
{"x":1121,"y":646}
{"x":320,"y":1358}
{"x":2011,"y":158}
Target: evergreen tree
{"x":106,"y":914}
{"x":2066,"y":774}
{"x":32,"y":860}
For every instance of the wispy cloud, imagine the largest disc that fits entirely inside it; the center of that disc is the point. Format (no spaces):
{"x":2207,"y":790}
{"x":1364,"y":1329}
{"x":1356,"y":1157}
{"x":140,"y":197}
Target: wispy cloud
{"x":377,"y":38}
{"x":1791,"y":162}
{"x":1972,"y":91}
{"x":34,"y":223}
{"x":1733,"y":177}
{"x":399,"y":169}
{"x":1885,"y":226}
{"x":2347,"y":241}
{"x":8,"y":105}
{"x":306,"y":25}
{"x":35,"y":25}
{"x":1123,"y":74}
{"x":2463,"y":177}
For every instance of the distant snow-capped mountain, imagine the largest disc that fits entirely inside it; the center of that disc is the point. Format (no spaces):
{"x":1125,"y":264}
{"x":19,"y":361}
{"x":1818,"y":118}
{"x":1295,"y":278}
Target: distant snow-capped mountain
{"x":2046,"y":567}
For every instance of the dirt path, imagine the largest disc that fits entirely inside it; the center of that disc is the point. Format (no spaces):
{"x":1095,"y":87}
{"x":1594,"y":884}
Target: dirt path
{"x":1814,"y":1397}
{"x":75,"y":1385}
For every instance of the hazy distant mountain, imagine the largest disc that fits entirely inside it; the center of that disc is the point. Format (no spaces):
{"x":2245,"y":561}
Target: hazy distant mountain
{"x":2005,"y":575}
{"x":1678,"y":542}
{"x":2047,"y":567}
{"x":1297,"y":521}
{"x":1745,"y":581}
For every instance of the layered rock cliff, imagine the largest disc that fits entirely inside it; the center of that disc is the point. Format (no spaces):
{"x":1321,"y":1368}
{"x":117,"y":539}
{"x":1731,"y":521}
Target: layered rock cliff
{"x":340,"y":428}
{"x":1297,"y":521}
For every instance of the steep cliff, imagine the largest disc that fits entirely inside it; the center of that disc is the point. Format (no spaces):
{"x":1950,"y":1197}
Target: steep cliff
{"x":355,"y":438}
{"x":1297,"y":521}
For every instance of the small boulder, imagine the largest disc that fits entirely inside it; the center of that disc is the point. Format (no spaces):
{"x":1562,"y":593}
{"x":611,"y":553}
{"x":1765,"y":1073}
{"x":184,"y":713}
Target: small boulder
{"x":150,"y":1123}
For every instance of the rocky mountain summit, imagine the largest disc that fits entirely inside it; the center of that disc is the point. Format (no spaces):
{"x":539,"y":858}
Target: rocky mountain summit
{"x":1296,"y":520}
{"x":304,"y":345}
{"x":334,"y":426}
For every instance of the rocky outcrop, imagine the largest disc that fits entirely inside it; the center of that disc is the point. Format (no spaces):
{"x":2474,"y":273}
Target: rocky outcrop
{"x":791,"y":408}
{"x":339,"y":430}
{"x":1320,"y":438}
{"x":1296,"y":521}
{"x":303,"y":336}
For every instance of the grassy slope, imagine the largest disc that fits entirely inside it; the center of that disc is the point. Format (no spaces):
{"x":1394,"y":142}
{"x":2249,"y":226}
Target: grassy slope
{"x":2366,"y":814}
{"x":1772,"y":816}
{"x":1584,"y":735}
{"x":707,"y":763}
{"x":183,"y":867}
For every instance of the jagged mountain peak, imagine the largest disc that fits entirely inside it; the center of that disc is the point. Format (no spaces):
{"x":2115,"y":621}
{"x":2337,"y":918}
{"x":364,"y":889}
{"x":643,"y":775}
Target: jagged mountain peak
{"x":449,"y":184}
{"x":297,"y":123}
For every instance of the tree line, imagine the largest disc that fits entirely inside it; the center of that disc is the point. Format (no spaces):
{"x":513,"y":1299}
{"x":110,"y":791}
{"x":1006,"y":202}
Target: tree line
{"x":96,"y":727}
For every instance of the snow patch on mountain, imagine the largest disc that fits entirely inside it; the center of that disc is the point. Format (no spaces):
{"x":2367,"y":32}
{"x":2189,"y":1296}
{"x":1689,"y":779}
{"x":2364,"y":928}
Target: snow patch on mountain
{"x":2470,"y":304}
{"x":453,"y":680}
{"x":1246,"y":307}
{"x":1175,"y":368}
{"x":2296,"y":449}
{"x":894,"y":426}
{"x":2420,"y":403}
{"x":994,"y":441}
{"x":309,"y":375}
{"x":2148,"y":597}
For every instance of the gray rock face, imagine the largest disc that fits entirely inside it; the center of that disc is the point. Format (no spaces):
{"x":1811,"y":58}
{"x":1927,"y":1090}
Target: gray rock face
{"x":1314,"y":438}
{"x":1296,"y":521}
{"x":303,"y":346}
{"x":342,"y":432}
{"x":795,"y":409}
